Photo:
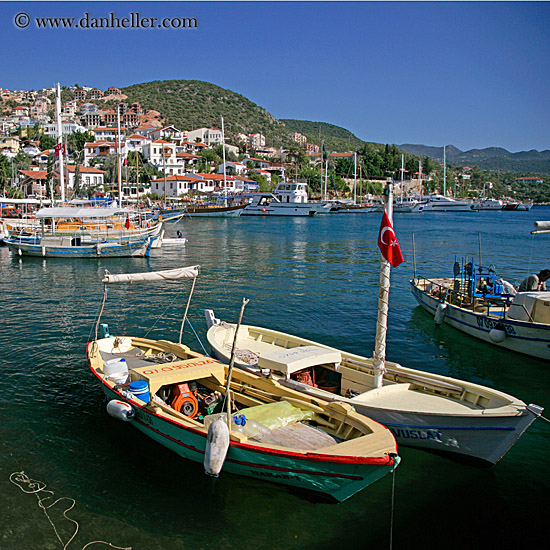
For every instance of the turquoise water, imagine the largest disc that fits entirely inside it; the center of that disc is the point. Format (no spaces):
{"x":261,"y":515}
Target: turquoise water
{"x":317,"y":278}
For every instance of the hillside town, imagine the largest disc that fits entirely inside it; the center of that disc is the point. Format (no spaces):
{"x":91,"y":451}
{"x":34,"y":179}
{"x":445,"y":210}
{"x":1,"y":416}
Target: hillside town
{"x":110,"y":147}
{"x":173,"y":162}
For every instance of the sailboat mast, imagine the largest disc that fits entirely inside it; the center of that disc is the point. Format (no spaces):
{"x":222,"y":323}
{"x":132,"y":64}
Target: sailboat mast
{"x":379,"y":356}
{"x":223,"y":155}
{"x":402,"y":177}
{"x":355,"y":177}
{"x":444,"y":171}
{"x":119,"y":172}
{"x":60,"y":143}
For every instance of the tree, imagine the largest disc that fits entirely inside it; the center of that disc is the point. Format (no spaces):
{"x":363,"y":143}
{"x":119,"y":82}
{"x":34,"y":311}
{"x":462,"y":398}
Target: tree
{"x":47,"y":142}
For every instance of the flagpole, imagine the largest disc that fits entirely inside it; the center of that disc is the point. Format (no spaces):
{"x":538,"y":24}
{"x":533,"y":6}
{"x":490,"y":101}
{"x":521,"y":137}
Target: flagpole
{"x":379,"y":356}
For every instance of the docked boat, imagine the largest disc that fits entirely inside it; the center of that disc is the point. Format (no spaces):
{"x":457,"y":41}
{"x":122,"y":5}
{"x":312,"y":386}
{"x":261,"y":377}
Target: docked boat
{"x":488,"y":204}
{"x":296,"y":192}
{"x":541,"y":227}
{"x":479,"y":303}
{"x":70,"y":232}
{"x":422,"y":409}
{"x":267,"y":204}
{"x":264,"y":430}
{"x":204,"y":211}
{"x":440,"y":203}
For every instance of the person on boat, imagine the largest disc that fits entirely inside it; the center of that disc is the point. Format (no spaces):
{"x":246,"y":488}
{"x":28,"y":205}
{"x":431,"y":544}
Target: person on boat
{"x":535,"y":282}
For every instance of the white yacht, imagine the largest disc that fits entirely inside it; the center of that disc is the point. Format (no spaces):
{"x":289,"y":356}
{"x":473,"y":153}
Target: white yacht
{"x":440,"y":203}
{"x":296,"y":192}
{"x":267,"y":204}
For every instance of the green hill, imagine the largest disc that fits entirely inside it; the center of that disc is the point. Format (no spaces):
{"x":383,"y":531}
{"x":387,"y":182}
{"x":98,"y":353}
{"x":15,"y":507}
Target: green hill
{"x":336,"y":138}
{"x":189,"y":104}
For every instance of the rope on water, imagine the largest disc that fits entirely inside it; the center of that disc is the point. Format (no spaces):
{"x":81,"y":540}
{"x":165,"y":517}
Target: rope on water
{"x":38,"y":488}
{"x":392,"y":507}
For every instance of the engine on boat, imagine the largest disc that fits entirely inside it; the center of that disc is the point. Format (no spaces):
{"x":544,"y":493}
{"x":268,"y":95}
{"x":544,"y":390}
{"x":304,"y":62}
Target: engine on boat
{"x":191,"y":399}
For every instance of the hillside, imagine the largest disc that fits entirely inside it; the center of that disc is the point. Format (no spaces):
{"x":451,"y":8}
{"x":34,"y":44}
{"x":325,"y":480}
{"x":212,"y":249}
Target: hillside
{"x":491,"y":158}
{"x":192,"y":104}
{"x":335,"y":137}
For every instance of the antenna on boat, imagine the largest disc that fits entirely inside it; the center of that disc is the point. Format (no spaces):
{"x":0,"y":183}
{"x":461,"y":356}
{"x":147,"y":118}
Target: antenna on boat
{"x":231,"y":363}
{"x":479,"y":245}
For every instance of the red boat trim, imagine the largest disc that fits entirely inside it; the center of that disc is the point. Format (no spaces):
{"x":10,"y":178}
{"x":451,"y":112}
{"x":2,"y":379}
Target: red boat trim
{"x":314,"y":457}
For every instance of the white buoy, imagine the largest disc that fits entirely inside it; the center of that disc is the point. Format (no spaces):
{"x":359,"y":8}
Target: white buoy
{"x":497,"y":335}
{"x":440,"y":313}
{"x":217,"y":444}
{"x":120,"y":410}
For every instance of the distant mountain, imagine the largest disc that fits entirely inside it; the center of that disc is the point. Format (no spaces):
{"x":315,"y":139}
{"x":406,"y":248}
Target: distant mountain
{"x":491,"y":158}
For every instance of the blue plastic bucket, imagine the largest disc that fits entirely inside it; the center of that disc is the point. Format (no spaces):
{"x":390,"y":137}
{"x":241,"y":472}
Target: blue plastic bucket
{"x":140,"y":389}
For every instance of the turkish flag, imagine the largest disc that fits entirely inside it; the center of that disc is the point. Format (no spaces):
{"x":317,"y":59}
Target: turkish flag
{"x":127,"y":224}
{"x":387,"y":241}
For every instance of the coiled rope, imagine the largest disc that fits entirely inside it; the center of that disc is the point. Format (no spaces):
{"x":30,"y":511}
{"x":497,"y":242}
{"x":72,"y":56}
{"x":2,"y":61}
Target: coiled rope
{"x":38,"y":488}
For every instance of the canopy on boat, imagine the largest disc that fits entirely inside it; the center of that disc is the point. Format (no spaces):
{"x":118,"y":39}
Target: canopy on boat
{"x":75,"y":212}
{"x":169,"y":274}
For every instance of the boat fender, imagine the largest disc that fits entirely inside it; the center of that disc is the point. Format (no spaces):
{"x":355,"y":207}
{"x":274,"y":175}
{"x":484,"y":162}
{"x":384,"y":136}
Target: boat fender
{"x":217,"y":444}
{"x":120,"y":410}
{"x":497,"y":335}
{"x":440,"y":313}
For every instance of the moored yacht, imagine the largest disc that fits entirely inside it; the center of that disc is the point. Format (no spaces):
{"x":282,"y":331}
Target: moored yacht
{"x":440,"y":203}
{"x":296,"y":192}
{"x":267,"y":204}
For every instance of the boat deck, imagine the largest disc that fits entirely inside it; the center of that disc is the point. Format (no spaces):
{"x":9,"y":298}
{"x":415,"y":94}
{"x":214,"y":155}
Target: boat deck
{"x":409,"y":399}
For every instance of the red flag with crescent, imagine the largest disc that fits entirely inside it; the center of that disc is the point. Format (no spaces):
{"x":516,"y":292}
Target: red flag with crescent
{"x":387,"y":241}
{"x":127,"y":224}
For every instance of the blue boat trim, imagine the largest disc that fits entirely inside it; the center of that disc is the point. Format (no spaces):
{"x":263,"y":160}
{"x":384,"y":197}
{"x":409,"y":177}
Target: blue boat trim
{"x":476,"y":327}
{"x":480,"y":428}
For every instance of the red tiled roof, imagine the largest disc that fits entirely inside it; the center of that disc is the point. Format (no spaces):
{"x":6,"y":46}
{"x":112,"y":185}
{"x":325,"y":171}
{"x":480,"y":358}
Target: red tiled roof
{"x":84,"y":169}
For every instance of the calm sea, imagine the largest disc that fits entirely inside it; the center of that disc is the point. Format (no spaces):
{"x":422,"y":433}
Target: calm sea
{"x":317,"y":278}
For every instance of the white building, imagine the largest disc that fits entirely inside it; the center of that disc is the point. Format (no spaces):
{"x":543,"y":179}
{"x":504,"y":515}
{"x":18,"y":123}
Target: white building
{"x":66,"y":127}
{"x":256,"y":141}
{"x":208,"y":136}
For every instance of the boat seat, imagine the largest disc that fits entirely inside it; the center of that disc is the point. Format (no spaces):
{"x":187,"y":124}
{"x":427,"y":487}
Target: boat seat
{"x":292,"y":360}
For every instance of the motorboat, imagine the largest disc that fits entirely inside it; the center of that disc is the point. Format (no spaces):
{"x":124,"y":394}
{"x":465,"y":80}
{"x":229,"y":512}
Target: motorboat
{"x":231,"y":420}
{"x":267,"y":204}
{"x":478,"y":302}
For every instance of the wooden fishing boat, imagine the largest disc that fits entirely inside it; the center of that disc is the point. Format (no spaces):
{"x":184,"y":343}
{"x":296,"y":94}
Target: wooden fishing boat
{"x":318,"y":446}
{"x":422,"y":409}
{"x":476,"y":302}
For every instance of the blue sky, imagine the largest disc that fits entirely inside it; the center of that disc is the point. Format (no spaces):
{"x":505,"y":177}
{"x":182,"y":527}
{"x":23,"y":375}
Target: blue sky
{"x":471,"y":74}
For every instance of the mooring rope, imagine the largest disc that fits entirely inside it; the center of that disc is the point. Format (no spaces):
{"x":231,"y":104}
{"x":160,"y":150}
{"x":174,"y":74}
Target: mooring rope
{"x":392,"y":507}
{"x":30,"y":486}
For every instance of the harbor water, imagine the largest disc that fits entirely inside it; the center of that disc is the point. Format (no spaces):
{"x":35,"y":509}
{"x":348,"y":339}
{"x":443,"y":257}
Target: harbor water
{"x":314,"y":277}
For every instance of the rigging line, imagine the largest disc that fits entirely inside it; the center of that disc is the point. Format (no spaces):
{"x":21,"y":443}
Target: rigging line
{"x":531,"y":253}
{"x":197,"y":337}
{"x":392,"y":507}
{"x":163,"y":313}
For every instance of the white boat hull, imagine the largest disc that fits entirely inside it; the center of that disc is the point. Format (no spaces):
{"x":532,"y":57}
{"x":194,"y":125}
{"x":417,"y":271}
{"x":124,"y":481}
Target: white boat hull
{"x":458,"y":418}
{"x":523,"y":337}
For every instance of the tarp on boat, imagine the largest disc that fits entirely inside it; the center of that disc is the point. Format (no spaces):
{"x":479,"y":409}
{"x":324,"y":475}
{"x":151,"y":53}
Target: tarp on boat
{"x":169,"y":274}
